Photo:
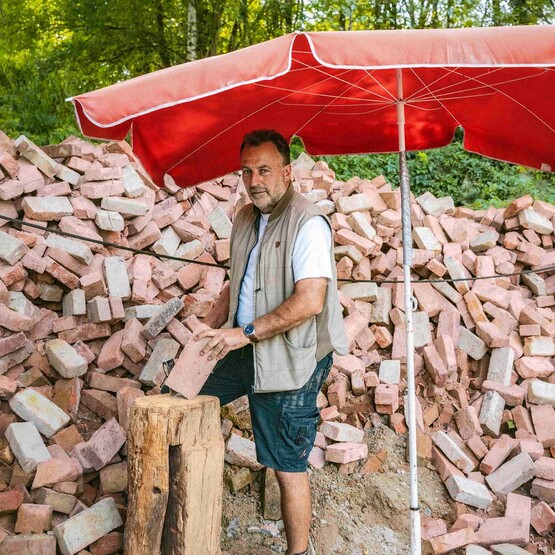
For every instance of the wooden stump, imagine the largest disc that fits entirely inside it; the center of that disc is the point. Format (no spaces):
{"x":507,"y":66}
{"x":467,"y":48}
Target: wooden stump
{"x":176,"y":459}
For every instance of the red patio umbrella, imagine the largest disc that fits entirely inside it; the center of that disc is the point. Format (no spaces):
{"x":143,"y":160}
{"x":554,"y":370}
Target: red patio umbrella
{"x":344,"y":93}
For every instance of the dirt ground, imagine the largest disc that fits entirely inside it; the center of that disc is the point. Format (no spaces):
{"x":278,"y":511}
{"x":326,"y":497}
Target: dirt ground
{"x":352,"y":514}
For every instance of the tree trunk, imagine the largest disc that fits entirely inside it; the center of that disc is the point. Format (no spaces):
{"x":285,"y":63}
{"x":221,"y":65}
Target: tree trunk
{"x":192,"y":32}
{"x":162,"y":44}
{"x":175,"y":458}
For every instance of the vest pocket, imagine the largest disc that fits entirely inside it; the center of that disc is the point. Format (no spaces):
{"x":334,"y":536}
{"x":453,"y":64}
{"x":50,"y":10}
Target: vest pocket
{"x":302,"y":337}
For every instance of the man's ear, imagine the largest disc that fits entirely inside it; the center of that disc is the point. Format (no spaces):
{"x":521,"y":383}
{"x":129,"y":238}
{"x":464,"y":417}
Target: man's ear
{"x":287,"y":172}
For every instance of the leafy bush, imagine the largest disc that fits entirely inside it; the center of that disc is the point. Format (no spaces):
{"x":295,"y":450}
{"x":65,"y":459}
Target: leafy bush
{"x":471,"y":180}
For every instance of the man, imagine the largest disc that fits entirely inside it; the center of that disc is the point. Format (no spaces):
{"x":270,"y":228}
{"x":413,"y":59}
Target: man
{"x":284,"y":322}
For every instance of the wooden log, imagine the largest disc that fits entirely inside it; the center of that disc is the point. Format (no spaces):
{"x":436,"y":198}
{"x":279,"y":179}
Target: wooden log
{"x":175,"y":458}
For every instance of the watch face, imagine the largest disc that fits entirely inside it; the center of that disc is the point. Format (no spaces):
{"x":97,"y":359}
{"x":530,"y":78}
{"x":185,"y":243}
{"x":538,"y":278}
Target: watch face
{"x":248,"y":329}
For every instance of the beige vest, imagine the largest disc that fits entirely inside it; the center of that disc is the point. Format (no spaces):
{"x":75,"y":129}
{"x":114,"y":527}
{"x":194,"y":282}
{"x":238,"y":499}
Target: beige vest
{"x":285,"y":361}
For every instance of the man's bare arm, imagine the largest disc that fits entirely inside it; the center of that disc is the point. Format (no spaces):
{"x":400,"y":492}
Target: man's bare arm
{"x":306,"y":301}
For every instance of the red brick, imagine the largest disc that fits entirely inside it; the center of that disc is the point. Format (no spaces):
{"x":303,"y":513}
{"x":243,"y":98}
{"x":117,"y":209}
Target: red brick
{"x":543,"y":518}
{"x":10,"y":500}
{"x":33,"y":519}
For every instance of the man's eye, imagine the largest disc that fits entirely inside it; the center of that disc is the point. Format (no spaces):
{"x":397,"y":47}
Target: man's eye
{"x":246,"y":172}
{"x":264,"y":172}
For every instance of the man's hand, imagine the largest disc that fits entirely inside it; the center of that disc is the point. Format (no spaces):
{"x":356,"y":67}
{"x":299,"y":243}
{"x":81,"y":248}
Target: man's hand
{"x":223,"y":341}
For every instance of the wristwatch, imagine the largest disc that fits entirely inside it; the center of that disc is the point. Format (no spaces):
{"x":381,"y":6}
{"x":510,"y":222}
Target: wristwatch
{"x":250,"y":332}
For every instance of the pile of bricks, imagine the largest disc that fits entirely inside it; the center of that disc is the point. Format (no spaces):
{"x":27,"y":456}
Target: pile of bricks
{"x":87,"y":328}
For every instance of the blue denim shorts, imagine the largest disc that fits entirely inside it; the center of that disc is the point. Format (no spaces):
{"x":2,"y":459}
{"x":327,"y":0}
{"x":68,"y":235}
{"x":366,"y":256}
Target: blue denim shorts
{"x":284,"y":423}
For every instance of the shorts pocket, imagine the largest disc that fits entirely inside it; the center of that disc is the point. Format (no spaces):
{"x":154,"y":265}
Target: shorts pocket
{"x":297,"y":431}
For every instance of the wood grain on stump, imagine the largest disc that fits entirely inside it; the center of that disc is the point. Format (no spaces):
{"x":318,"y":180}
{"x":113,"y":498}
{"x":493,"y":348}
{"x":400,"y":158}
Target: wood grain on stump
{"x":176,"y":458}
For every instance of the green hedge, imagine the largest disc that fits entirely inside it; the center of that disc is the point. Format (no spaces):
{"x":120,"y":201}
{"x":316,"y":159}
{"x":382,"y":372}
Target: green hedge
{"x":471,"y":180}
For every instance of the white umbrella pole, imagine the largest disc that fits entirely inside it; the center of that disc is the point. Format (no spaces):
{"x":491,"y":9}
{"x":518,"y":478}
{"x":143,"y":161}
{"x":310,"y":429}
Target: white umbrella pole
{"x":415,"y":547}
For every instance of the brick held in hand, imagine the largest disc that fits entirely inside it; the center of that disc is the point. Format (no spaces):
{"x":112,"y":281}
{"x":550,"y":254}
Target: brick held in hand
{"x":191,"y":370}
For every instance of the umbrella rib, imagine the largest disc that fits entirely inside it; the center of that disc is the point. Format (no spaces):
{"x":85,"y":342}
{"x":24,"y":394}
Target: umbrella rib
{"x":325,"y":95}
{"x":238,"y":122}
{"x":441,"y":103}
{"x":480,"y":86}
{"x":369,"y":73}
{"x":365,"y":112}
{"x":313,"y":105}
{"x":444,"y":98}
{"x":448,"y":71}
{"x":525,"y":108}
{"x":323,"y":108}
{"x":345,"y":82}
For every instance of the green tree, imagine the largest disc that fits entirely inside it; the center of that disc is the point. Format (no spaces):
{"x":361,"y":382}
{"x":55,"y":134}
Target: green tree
{"x":53,"y":49}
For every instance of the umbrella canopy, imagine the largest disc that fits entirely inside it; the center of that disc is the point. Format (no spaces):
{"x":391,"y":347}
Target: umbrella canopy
{"x":338,"y":92}
{"x":350,"y":92}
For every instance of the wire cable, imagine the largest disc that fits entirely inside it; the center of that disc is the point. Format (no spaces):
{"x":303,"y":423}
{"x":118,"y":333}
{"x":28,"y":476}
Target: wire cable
{"x":159,"y":256}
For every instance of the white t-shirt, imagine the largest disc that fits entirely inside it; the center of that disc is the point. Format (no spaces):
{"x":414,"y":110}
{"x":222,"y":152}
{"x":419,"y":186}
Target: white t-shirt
{"x":310,"y":260}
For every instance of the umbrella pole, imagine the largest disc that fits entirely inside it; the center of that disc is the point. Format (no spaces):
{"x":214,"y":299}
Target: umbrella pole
{"x":416,"y":547}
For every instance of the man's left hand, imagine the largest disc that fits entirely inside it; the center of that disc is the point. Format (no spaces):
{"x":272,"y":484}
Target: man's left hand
{"x":222,"y":342}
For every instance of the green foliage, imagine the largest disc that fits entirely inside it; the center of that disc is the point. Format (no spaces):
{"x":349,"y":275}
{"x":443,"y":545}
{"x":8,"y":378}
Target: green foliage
{"x":53,"y":49}
{"x":471,"y":180}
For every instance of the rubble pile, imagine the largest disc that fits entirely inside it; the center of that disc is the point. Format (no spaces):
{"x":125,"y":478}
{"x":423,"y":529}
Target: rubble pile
{"x":86,"y":328}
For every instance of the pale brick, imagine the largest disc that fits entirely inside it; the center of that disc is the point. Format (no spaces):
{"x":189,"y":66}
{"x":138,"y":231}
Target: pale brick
{"x":11,"y":249}
{"x":154,"y":371}
{"x":241,"y":452}
{"x":541,"y":393}
{"x":168,"y":243}
{"x":164,"y":314}
{"x":74,"y":303}
{"x":125,"y":206}
{"x":109,"y":220}
{"x":117,"y":279}
{"x":341,"y":432}
{"x":104,"y":444}
{"x":539,"y":346}
{"x":501,"y":365}
{"x":88,"y":526}
{"x":344,"y":453}
{"x":34,"y":407}
{"x":469,"y":492}
{"x":27,"y":445}
{"x":361,"y":291}
{"x":453,"y":452}
{"x":491,"y":412}
{"x":46,"y":209}
{"x":36,"y":156}
{"x":471,"y":344}
{"x":530,"y":219}
{"x":512,"y":474}
{"x":390,"y":371}
{"x":65,"y":359}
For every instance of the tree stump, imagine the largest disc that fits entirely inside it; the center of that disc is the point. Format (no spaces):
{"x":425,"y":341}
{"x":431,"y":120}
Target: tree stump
{"x":176,"y":459}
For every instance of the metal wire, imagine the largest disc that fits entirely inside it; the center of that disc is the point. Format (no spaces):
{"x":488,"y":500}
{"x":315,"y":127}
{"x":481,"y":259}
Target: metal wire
{"x":540,"y":270}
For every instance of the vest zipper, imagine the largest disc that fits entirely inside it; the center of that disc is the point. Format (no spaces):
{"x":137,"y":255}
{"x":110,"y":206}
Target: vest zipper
{"x":256,"y":289}
{"x":245,"y":270}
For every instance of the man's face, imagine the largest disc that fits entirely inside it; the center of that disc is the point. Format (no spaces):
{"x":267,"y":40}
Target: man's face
{"x":265,"y":175}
